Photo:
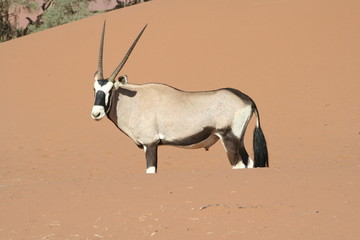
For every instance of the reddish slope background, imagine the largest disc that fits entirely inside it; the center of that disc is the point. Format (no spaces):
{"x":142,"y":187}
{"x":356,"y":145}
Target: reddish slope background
{"x":65,"y":176}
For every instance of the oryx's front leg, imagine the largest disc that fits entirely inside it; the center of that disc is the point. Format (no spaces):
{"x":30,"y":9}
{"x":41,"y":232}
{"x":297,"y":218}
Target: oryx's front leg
{"x":151,"y":157}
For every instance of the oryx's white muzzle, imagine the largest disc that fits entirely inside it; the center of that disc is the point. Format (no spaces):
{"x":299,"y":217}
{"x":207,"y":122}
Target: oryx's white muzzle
{"x":98,"y":112}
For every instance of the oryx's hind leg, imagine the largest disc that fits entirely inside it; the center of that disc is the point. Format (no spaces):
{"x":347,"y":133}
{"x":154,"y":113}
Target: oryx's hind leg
{"x":151,"y":157}
{"x":235,"y":150}
{"x":233,"y":140}
{"x":245,"y":161}
{"x":231,"y":144}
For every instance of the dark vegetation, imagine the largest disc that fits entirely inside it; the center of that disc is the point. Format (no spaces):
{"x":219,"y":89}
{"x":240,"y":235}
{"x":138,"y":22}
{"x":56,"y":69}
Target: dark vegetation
{"x":49,"y":13}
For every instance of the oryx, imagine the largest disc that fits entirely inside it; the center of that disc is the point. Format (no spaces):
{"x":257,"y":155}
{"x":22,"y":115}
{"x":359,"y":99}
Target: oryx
{"x":156,"y":114}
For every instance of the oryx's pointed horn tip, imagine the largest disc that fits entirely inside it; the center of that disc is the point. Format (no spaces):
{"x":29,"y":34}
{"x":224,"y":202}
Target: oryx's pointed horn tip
{"x":122,"y":63}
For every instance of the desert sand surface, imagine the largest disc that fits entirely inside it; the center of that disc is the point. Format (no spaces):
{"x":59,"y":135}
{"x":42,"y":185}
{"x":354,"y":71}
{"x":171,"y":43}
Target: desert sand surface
{"x":65,"y":176}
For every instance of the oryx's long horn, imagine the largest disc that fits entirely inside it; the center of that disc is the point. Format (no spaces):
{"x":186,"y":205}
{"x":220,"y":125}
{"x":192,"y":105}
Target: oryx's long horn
{"x":100,"y":66}
{"x":119,"y":67}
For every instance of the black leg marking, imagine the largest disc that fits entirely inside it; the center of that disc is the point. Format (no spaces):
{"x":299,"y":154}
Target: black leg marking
{"x":151,"y":157}
{"x":243,"y":154}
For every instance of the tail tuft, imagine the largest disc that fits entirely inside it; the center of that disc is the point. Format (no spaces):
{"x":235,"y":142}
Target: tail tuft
{"x":261,"y":158}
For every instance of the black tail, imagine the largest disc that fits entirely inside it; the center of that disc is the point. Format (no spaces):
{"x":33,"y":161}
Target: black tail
{"x":261,"y":157}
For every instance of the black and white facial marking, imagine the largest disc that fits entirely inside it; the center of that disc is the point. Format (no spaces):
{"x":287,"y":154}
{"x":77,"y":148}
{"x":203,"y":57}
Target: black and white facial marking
{"x":102,"y":90}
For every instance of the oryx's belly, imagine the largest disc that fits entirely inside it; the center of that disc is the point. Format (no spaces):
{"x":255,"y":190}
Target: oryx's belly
{"x":202,"y":139}
{"x":207,"y":143}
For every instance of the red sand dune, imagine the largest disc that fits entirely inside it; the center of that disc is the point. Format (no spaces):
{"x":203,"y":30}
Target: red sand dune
{"x":65,"y":176}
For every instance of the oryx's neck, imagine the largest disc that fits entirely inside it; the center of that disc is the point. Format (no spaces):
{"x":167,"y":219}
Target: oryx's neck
{"x":119,"y":98}
{"x":111,"y":113}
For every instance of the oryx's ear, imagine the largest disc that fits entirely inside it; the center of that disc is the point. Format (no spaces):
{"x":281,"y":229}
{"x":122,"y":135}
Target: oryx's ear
{"x":123,"y":79}
{"x":96,"y":76}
